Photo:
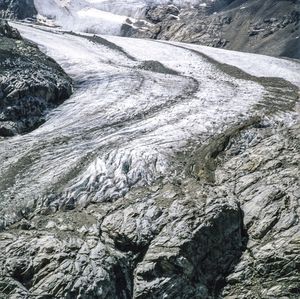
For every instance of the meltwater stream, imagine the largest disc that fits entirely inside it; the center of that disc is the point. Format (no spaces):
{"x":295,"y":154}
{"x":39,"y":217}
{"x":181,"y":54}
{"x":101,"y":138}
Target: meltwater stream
{"x":136,"y":105}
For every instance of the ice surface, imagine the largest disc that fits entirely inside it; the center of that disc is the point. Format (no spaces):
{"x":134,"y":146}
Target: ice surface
{"x":124,"y":126}
{"x":253,"y":64}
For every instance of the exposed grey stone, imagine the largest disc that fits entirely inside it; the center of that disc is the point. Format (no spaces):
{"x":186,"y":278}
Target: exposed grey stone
{"x":234,"y":238}
{"x":251,"y":26}
{"x":17,"y":9}
{"x":30,"y":83}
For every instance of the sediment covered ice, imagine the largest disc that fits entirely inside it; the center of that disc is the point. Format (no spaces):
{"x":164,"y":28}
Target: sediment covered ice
{"x":137,"y":104}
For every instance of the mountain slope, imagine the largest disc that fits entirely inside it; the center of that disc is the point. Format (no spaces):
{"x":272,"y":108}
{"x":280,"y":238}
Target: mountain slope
{"x":173,"y":169}
{"x":259,"y":26}
{"x":17,"y":9}
{"x":267,"y":27}
{"x":167,"y":174}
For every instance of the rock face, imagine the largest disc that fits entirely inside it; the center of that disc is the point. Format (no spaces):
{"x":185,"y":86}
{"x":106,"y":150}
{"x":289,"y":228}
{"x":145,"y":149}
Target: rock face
{"x":264,"y":176}
{"x":30,"y":83}
{"x":182,"y":240}
{"x":266,"y":27}
{"x":17,"y":9}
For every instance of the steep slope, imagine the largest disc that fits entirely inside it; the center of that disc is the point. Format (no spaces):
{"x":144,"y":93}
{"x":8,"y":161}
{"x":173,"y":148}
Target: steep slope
{"x":171,"y":172}
{"x":267,"y":27}
{"x":17,"y":9}
{"x":31,"y":83}
{"x":259,"y":26}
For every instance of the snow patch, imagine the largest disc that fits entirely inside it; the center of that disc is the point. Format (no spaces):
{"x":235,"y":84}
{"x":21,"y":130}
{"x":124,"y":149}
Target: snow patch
{"x":99,"y":16}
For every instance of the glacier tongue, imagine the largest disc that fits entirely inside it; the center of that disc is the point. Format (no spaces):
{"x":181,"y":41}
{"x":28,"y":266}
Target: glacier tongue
{"x":126,"y":121}
{"x":137,"y":105}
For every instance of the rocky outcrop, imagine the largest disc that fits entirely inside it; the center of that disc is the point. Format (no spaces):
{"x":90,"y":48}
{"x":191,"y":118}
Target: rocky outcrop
{"x":264,"y":176}
{"x":8,"y":31}
{"x":30,"y":83}
{"x":266,"y":27}
{"x":17,"y":9}
{"x":235,"y":236}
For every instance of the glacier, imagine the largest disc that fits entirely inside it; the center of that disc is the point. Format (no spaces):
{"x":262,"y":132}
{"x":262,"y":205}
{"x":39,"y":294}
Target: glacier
{"x":137,"y":105}
{"x":171,"y":172}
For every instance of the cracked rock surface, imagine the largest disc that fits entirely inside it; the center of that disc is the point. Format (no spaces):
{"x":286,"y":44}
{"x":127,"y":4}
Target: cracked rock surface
{"x":31,"y":84}
{"x":167,"y":174}
{"x":234,"y":238}
{"x":258,"y":26}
